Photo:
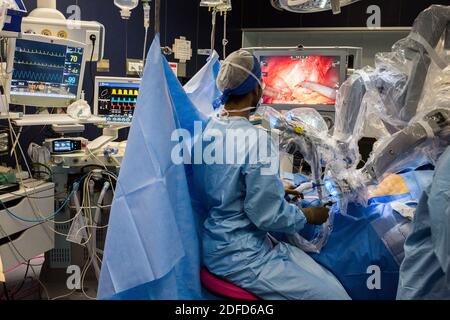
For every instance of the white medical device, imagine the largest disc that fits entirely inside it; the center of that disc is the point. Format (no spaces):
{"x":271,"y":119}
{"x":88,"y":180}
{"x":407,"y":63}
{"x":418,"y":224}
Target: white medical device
{"x":65,"y":145}
{"x":115,"y":99}
{"x":47,"y":21}
{"x":11,"y":15}
{"x":125,"y":7}
{"x":45,"y":71}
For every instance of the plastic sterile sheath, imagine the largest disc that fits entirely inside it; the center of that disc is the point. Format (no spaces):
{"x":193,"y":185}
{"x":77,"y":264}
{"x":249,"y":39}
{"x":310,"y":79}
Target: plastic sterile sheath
{"x":392,"y":91}
{"x":406,"y":96}
{"x":304,"y":132}
{"x":202,"y":88}
{"x":152,"y":247}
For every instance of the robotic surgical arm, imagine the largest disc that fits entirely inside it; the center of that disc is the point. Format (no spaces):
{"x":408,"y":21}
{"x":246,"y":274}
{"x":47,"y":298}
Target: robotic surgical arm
{"x":426,"y":133}
{"x":434,"y":125}
{"x":404,"y":93}
{"x":408,"y":93}
{"x":393,"y":90}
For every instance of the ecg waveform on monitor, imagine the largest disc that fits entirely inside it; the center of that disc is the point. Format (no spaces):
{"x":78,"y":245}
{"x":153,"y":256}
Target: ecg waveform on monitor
{"x":37,"y":76}
{"x":41,"y":52}
{"x":44,"y":65}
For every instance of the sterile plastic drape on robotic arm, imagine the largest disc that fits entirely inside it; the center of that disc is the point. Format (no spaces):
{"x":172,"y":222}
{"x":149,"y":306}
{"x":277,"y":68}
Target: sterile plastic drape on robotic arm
{"x":304,"y":131}
{"x":424,"y":116}
{"x":407,"y":94}
{"x":398,"y":78}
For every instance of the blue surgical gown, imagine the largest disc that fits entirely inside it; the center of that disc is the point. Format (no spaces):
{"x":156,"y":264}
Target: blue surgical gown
{"x":425,"y":271}
{"x":243,"y":206}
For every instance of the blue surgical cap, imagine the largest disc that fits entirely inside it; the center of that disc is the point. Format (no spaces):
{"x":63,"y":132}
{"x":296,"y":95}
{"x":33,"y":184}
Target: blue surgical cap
{"x":239,"y":75}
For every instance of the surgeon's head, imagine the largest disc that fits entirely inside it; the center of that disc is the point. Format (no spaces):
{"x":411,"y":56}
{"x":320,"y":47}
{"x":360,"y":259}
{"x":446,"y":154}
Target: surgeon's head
{"x":239,"y":80}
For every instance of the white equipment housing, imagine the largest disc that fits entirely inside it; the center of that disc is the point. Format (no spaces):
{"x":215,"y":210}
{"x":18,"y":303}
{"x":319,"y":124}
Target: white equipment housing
{"x":33,"y":237}
{"x":48,"y":21}
{"x":79,"y":31}
{"x":33,"y":99}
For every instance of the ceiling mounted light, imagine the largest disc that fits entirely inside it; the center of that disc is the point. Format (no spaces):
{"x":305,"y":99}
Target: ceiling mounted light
{"x":309,"y":6}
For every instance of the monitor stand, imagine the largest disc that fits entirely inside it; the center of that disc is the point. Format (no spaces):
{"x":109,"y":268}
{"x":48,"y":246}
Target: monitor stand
{"x":109,"y":135}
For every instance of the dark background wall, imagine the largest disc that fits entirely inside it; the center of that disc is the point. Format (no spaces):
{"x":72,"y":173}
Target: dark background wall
{"x":186,"y":18}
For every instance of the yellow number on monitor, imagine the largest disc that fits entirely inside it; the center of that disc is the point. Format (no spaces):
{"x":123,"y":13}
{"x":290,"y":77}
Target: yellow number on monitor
{"x":73,"y":58}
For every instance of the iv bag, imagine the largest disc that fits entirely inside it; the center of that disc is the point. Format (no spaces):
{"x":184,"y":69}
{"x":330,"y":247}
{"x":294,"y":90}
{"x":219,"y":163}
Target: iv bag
{"x":126,"y":6}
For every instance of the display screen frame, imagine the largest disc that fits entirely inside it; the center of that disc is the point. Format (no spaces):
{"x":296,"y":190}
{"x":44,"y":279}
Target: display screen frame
{"x":44,"y":101}
{"x":116,"y":81}
{"x":74,"y":146}
{"x":332,"y":52}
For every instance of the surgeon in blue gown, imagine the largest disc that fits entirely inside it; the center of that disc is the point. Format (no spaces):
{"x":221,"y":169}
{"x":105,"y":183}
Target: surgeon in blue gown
{"x":244,"y":203}
{"x":425,"y":271}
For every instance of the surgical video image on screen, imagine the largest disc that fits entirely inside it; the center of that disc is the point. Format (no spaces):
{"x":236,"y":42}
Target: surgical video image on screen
{"x":117,"y":101}
{"x":300,"y":80}
{"x":45,"y":69}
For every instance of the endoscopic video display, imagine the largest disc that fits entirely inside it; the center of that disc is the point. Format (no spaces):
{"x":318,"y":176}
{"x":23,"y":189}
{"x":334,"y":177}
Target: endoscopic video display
{"x":301,"y":80}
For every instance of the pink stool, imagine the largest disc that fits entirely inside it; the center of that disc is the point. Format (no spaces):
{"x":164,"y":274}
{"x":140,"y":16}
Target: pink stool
{"x":224,"y":289}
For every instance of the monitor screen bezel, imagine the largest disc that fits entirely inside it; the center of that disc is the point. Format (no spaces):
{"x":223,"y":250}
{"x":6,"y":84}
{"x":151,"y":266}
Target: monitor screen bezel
{"x":118,"y":80}
{"x":342,"y":54}
{"x":45,"y":102}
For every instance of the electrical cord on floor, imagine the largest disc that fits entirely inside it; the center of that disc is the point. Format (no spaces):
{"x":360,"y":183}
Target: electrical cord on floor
{"x":14,"y":250}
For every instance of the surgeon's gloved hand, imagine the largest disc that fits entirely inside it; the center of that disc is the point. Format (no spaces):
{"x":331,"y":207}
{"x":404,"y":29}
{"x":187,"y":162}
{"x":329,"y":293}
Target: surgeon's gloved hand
{"x":290,"y":190}
{"x":316,"y":215}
